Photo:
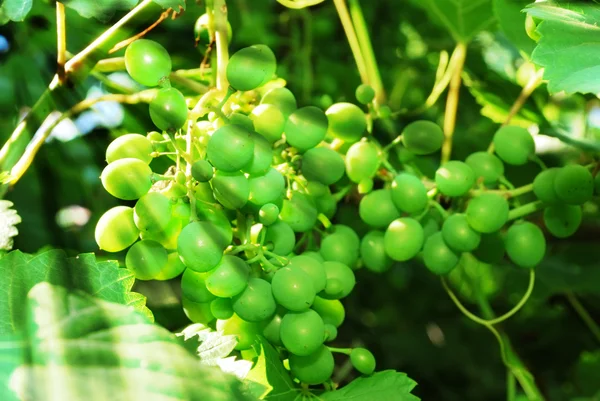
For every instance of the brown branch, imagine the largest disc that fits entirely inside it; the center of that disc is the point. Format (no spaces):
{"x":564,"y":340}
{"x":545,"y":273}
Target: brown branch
{"x":126,"y":42}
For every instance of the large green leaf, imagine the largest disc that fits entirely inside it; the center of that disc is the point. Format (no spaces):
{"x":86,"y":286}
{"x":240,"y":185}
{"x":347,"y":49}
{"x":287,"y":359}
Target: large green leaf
{"x":20,"y":272}
{"x":15,"y":10}
{"x":511,"y":20}
{"x":462,"y":18}
{"x":81,"y":348}
{"x":387,"y":385}
{"x":101,"y":10}
{"x":569,"y":47}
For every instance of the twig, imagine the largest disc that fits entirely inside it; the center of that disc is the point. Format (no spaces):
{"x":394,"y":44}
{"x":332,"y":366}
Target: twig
{"x":452,"y":102}
{"x":340,"y":6}
{"x":222,"y":41}
{"x":61,"y":41}
{"x":126,"y":42}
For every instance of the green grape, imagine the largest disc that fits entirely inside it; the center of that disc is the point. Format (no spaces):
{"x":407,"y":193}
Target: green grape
{"x":152,"y":212}
{"x":340,"y":248}
{"x":251,"y":67}
{"x":232,"y":190}
{"x":172,"y":269}
{"x":525,"y":244}
{"x":202,"y":31}
{"x":340,"y":280}
{"x":203,"y":192}
{"x":458,"y":235}
{"x":256,"y":302}
{"x":409,"y":194}
{"x":168,"y":110}
{"x":331,"y":310}
{"x":487,"y":212}
{"x":267,"y":188}
{"x":244,"y":331}
{"x":454,"y":178}
{"x":403,"y":239}
{"x":221,"y":308}
{"x":116,"y":229}
{"x":216,"y":215}
{"x":127,"y":179}
{"x":197,"y":312}
{"x":134,"y":146}
{"x":166,"y":237}
{"x":229,"y":278}
{"x":327,"y":205}
{"x":230,"y":148}
{"x":491,"y":248}
{"x":146,"y":259}
{"x":299,"y":212}
{"x":282,"y":98}
{"x":562,"y":220}
{"x":430,"y":223}
{"x":293,"y":289}
{"x":306,"y":128}
{"x":268,"y":121}
{"x":362,"y":161}
{"x":262,"y":157}
{"x":315,"y":368}
{"x":331,"y":332}
{"x":268,"y":214}
{"x":314,"y":255}
{"x":147,"y":62}
{"x":272,"y":329}
{"x":323,"y":165}
{"x":365,"y":186}
{"x":302,"y":333}
{"x":377,"y":208}
{"x":281,"y":236}
{"x":438,"y":257}
{"x":313,"y":267}
{"x":202,"y":171}
{"x":200,"y":246}
{"x":348,"y":232}
{"x":543,"y":185}
{"x":346,"y":121}
{"x":364,"y":94}
{"x":514,"y":145}
{"x":372,"y":252}
{"x":241,"y":119}
{"x":574,"y":185}
{"x":486,"y":166}
{"x":193,"y":286}
{"x":363,"y":360}
{"x":422,"y":137}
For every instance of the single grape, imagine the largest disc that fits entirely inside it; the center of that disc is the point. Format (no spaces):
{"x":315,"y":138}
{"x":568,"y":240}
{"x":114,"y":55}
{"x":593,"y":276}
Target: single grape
{"x":364,"y":94}
{"x":331,"y":332}
{"x":363,"y":360}
{"x":454,"y":178}
{"x":365,"y":186}
{"x":221,"y":308}
{"x":172,"y":269}
{"x":251,"y":67}
{"x":230,"y":148}
{"x":562,"y":220}
{"x":202,"y":171}
{"x":166,"y":237}
{"x":422,"y":137}
{"x":299,"y":212}
{"x":200,"y":245}
{"x":331,"y":310}
{"x":193,"y":286}
{"x":255,"y":303}
{"x":408,"y":193}
{"x":216,"y":215}
{"x":152,"y":212}
{"x":146,"y":259}
{"x":272,"y":329}
{"x":302,"y":333}
{"x":514,"y":145}
{"x":267,"y":188}
{"x":525,"y":244}
{"x":543,"y":186}
{"x":197,"y":312}
{"x":486,"y":166}
{"x":313,"y":267}
{"x":168,"y":110}
{"x":306,"y":128}
{"x":147,"y":62}
{"x":244,"y":331}
{"x":127,"y":179}
{"x":116,"y":229}
{"x":323,"y":165}
{"x":314,"y":254}
{"x":487,"y":212}
{"x":491,"y":248}
{"x":340,"y":248}
{"x":362,"y":161}
{"x":377,"y":208}
{"x":459,"y":235}
{"x":232,"y":190}
{"x":372,"y":252}
{"x":268,"y":214}
{"x":282,"y":98}
{"x":340,"y":280}
{"x":262,"y":156}
{"x":202,"y":31}
{"x":281,"y":236}
{"x":293,"y":289}
{"x":346,"y":121}
{"x":403,"y":239}
{"x":241,"y":119}
{"x":438,"y":257}
{"x":268,"y":121}
{"x":229,"y":278}
{"x":574,"y":184}
{"x":315,"y":368}
{"x":134,"y":146}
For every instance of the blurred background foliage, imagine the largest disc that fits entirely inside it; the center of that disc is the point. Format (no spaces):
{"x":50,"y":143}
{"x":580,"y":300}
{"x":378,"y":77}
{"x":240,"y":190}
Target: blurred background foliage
{"x":404,"y":315}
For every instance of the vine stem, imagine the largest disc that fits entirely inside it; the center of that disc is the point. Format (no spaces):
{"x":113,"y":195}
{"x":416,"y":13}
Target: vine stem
{"x":511,"y":386}
{"x":510,"y":193}
{"x":61,"y":41}
{"x":525,"y":210}
{"x":344,"y":14}
{"x":583,"y":314}
{"x":220,"y":13}
{"x":452,"y":101}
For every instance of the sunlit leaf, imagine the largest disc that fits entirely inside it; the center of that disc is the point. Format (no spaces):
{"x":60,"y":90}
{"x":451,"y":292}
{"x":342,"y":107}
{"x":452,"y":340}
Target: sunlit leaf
{"x":386,"y":385}
{"x":462,"y":18}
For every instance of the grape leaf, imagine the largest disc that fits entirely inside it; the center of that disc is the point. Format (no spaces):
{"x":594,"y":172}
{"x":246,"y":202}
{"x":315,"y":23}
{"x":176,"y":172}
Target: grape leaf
{"x":387,"y":385}
{"x":569,"y":47}
{"x":174,"y":4}
{"x":512,"y":22}
{"x":20,"y":272}
{"x":462,"y":18}
{"x":82,"y":348}
{"x":101,"y":10}
{"x":15,"y":10}
{"x":298,"y":4}
{"x":8,"y":220}
{"x":268,"y":379}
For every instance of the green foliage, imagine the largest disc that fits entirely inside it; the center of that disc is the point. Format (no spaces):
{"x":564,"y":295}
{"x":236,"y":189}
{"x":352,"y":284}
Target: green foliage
{"x":511,"y":21}
{"x":384,"y":385}
{"x":101,"y":10}
{"x":15,"y":10}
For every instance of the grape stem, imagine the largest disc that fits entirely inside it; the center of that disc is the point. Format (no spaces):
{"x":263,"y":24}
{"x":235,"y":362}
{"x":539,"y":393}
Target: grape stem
{"x":61,"y":42}
{"x":452,"y":101}
{"x":583,"y":314}
{"x":510,"y":193}
{"x":346,"y":351}
{"x":324,"y":220}
{"x":395,"y":142}
{"x":342,"y":10}
{"x":126,"y":42}
{"x":525,"y":210}
{"x":439,"y":208}
{"x":220,"y":14}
